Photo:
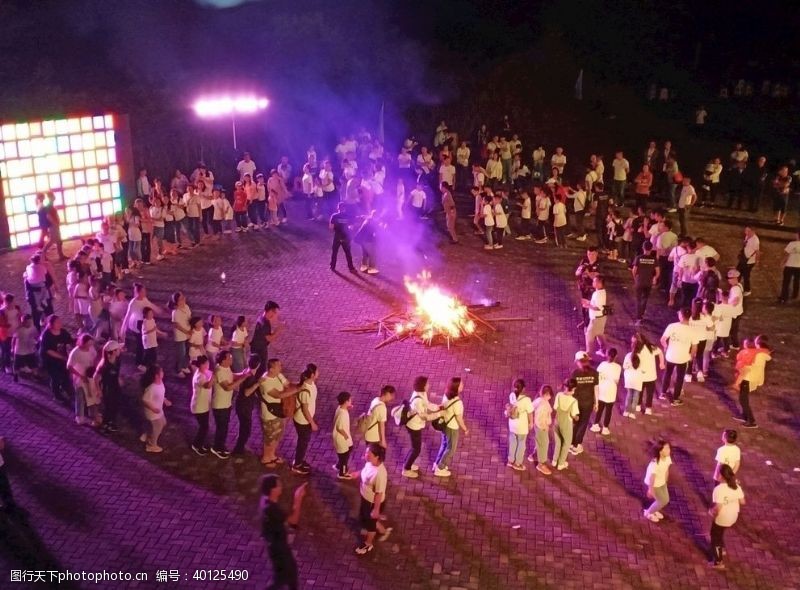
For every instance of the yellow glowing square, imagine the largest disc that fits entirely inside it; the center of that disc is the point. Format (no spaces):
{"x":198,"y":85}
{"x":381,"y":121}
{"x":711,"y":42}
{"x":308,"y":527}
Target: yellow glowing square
{"x":28,"y":185}
{"x":62,"y":127}
{"x":71,"y":214}
{"x":89,"y":158}
{"x":36,"y":129}
{"x":17,"y":188}
{"x":85,"y":227}
{"x":105,"y":191}
{"x":55,"y":181}
{"x":95,"y":210}
{"x":113,"y":172}
{"x":74,"y":125}
{"x":6,"y":189}
{"x":86,"y":123}
{"x":19,"y":222}
{"x":40,"y":165}
{"x":75,"y":143}
{"x":81,"y":195}
{"x":24,"y":147}
{"x":99,"y":139}
{"x":12,"y":169}
{"x":94,"y":193}
{"x":50,"y":145}
{"x":67,"y":179}
{"x":33,"y":220}
{"x":104,"y":174}
{"x":101,"y":157}
{"x":80,"y":176}
{"x":96,"y":224}
{"x":115,"y":191}
{"x":26,"y":166}
{"x":64,"y":162}
{"x":63,"y":143}
{"x":92,"y":176}
{"x":42,"y":183}
{"x":14,"y":242}
{"x":38,"y":147}
{"x":53,"y":163}
{"x":23,"y":239}
{"x":58,"y":201}
{"x":3,"y":169}
{"x":112,"y":156}
{"x":2,"y":151}
{"x":48,"y":128}
{"x":30,"y":205}
{"x":111,"y":141}
{"x":109,"y":121}
{"x":69,"y":231}
{"x":35,"y":236}
{"x":98,"y":122}
{"x":88,"y":141}
{"x":117,"y":205}
{"x":77,"y":160}
{"x":23,"y":132}
{"x":17,"y":205}
{"x":83,"y":211}
{"x":10,"y":147}
{"x":108,"y":208}
{"x":9,"y":132}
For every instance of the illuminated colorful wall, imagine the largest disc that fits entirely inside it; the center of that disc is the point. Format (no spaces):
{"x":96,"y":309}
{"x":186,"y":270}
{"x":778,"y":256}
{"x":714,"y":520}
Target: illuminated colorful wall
{"x":80,"y":159}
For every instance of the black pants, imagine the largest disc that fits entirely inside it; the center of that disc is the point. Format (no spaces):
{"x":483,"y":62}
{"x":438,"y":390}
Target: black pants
{"x":345,"y":245}
{"x":688,"y":293}
{"x":222,"y":418}
{"x":648,"y":390}
{"x":6,"y":497}
{"x":138,"y":347}
{"x":201,"y":438}
{"x":604,"y":411}
{"x":717,"y":542}
{"x":342,"y":460}
{"x":744,"y":401}
{"x":244,"y":412}
{"x":284,"y":568}
{"x":150,"y":356}
{"x":145,"y":247}
{"x":680,"y":373}
{"x":642,"y":295}
{"x":579,"y":431}
{"x":734,"y":335}
{"x":666,"y":272}
{"x":791,"y":275}
{"x":5,"y":354}
{"x":579,"y":228}
{"x":497,"y":235}
{"x":111,"y":402}
{"x":303,"y":438}
{"x":416,"y":448}
{"x":746,"y":270}
{"x":207,"y":215}
{"x":60,"y":382}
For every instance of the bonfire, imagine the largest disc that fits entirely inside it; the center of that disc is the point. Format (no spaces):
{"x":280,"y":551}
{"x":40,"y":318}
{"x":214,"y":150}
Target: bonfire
{"x":434,"y":315}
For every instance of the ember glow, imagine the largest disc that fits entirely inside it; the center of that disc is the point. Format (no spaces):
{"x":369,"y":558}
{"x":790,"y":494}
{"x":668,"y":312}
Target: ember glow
{"x":435,"y":312}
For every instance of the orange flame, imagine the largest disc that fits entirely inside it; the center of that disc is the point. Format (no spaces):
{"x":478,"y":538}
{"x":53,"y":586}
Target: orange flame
{"x":435,"y":312}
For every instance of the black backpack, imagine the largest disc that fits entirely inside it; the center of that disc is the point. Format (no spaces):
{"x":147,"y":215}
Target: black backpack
{"x":710,"y":281}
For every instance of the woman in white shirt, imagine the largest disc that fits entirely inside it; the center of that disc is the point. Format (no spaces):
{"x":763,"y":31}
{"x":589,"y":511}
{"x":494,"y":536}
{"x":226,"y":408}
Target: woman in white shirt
{"x":519,"y":412}
{"x":238,"y":344}
{"x":157,"y":217}
{"x":181,"y":330}
{"x":453,"y":418}
{"x":225,"y":380}
{"x":728,"y":497}
{"x":304,"y":422}
{"x":422,"y":411}
{"x":200,"y":405}
{"x":648,"y":353}
{"x":632,"y":374}
{"x":656,"y":480}
{"x":488,"y":222}
{"x":154,"y":401}
{"x":609,"y":372}
{"x":494,"y":169}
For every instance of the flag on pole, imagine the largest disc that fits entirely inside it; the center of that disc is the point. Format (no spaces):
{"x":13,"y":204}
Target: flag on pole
{"x":380,"y":124}
{"x":579,"y":86}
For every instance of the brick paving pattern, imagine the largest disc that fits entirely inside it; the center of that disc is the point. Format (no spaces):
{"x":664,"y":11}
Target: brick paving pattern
{"x":99,"y":502}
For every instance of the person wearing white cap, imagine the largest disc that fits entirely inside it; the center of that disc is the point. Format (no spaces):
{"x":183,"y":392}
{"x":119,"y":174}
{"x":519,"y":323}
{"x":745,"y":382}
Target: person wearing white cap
{"x":736,"y":301}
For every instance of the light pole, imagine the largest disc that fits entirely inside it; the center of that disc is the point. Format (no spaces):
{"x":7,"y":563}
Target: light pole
{"x":221,"y":106}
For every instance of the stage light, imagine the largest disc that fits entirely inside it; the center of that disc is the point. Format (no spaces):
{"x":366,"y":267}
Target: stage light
{"x":75,"y":158}
{"x":227,"y":106}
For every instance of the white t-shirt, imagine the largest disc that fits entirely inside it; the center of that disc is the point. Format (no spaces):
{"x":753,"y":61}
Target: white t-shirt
{"x":448,"y":174}
{"x":222,"y":397}
{"x":559,"y":161}
{"x":688,"y":265}
{"x":621,"y":168}
{"x":306,"y":395}
{"x":239,"y":337}
{"x":488,"y":216}
{"x":373,"y":481}
{"x":214,"y":338}
{"x":728,"y":455}
{"x":647,"y":364}
{"x":326,"y":179}
{"x":377,"y":409}
{"x":793,"y":251}
{"x":500,"y":218}
{"x":729,"y":504}
{"x":559,"y":214}
{"x":681,"y":338}
{"x":181,"y":316}
{"x":154,"y":396}
{"x":659,"y":469}
{"x":420,"y":406}
{"x":526,"y":208}
{"x":135,"y":309}
{"x":245,"y":167}
{"x":598,"y":300}
{"x":417,"y":198}
{"x":149,"y":335}
{"x":702,"y":327}
{"x":452,"y":408}
{"x":751,"y":248}
{"x":706,"y":251}
{"x":736,"y":293}
{"x":633,"y":378}
{"x":524,"y":404}
{"x":341,"y":421}
{"x":609,"y":374}
{"x":267,"y":384}
{"x":80,"y":360}
{"x":201,"y":395}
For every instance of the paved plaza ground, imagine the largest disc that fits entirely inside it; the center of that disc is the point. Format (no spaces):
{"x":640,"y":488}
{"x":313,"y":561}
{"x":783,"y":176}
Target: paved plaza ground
{"x":98,"y":502}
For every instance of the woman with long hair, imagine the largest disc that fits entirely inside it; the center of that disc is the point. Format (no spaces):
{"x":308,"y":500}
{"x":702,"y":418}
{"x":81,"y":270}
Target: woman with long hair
{"x":154,"y":400}
{"x":200,"y":404}
{"x":656,"y":479}
{"x":648,"y":353}
{"x":303,"y":418}
{"x":453,"y":417}
{"x":728,"y":497}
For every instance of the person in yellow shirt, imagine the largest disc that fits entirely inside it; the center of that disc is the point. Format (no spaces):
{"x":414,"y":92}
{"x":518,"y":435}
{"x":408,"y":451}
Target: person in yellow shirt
{"x":751,"y":375}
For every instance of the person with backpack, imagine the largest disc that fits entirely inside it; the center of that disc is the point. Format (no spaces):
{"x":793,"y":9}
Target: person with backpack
{"x":273,"y":388}
{"x":519,"y":411}
{"x":423,"y":411}
{"x":708,"y":280}
{"x":542,"y":421}
{"x":372,"y":424}
{"x":450,"y":424}
{"x":342,"y":439}
{"x":303,"y":416}
{"x":567,"y":413}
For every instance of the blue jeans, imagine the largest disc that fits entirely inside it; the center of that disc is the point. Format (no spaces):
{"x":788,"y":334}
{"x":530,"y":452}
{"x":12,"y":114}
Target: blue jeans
{"x":238,"y":359}
{"x":181,"y":355}
{"x":516,"y":448}
{"x":134,"y":250}
{"x":447,"y":448}
{"x":194,"y":229}
{"x":632,"y":400}
{"x":158,"y":234}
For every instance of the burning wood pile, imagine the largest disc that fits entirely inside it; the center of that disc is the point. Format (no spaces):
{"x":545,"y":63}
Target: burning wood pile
{"x":434,"y":316}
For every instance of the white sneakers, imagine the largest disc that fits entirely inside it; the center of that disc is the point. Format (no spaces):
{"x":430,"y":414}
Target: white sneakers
{"x":595,"y":428}
{"x":410,"y":473}
{"x":700,"y":377}
{"x":648,"y":412}
{"x":638,"y":407}
{"x":441,"y":472}
{"x":605,"y":431}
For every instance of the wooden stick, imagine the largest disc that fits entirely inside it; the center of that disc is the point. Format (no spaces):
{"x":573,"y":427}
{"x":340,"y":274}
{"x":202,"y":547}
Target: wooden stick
{"x":389,"y":340}
{"x":481,"y":320}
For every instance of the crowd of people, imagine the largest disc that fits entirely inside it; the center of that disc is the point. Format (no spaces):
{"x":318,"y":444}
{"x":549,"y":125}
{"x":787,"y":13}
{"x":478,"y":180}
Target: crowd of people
{"x":226,"y":364}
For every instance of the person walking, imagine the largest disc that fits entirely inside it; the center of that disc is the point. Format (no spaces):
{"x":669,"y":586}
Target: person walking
{"x":679,"y":342}
{"x":656,"y":479}
{"x":586,"y":394}
{"x":646,"y":273}
{"x":609,"y":373}
{"x":132,"y":322}
{"x":54,"y":343}
{"x":200,"y":403}
{"x":373,"y":482}
{"x":791,"y":269}
{"x":727,"y":499}
{"x":449,"y":206}
{"x":748,"y":258}
{"x":519,"y":412}
{"x":423,"y":411}
{"x":542,"y":421}
{"x":340,"y":225}
{"x":342,"y":438}
{"x":273,"y":528}
{"x":154,"y":401}
{"x":225,"y":381}
{"x":567,"y":414}
{"x":245,"y":404}
{"x":264,"y":333}
{"x":378,"y":414}
{"x":453,"y":418}
{"x":273,"y":387}
{"x":304,"y":423}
